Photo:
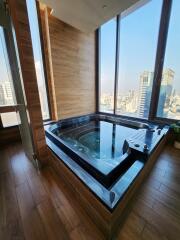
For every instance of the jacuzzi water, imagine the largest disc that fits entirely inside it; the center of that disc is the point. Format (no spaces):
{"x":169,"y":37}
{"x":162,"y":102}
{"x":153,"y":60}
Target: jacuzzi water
{"x":98,"y":140}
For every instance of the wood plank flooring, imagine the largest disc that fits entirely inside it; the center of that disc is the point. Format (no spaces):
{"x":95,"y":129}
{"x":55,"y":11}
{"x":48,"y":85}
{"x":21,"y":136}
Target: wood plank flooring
{"x":37,"y":205}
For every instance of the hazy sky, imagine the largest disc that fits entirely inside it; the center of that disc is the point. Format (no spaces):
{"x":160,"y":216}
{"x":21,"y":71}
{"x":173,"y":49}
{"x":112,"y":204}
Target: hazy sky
{"x":36,"y":46}
{"x":32,"y":14}
{"x":4,"y":70}
{"x":138,"y":43}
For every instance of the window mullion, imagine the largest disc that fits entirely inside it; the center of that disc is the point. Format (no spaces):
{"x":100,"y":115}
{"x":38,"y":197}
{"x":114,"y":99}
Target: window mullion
{"x":1,"y":125}
{"x":161,"y":49}
{"x":116,"y":63}
{"x":98,"y":70}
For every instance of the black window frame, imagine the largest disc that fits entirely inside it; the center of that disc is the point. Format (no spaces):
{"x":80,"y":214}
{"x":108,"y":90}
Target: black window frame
{"x":158,"y":68}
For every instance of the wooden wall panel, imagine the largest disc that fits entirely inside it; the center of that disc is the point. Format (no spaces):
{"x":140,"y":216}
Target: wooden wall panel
{"x":73,"y":63}
{"x":18,"y":12}
{"x":9,"y":135}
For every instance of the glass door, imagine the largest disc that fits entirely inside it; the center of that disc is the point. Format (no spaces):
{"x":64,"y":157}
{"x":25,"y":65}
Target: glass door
{"x":11,"y":84}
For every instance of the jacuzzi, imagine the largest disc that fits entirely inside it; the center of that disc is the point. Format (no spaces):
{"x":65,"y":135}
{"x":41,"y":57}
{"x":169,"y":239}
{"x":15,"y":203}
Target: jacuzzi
{"x":105,"y":152}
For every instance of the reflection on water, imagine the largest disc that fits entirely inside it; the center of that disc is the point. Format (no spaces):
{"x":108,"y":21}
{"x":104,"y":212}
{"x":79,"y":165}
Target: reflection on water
{"x":98,"y":139}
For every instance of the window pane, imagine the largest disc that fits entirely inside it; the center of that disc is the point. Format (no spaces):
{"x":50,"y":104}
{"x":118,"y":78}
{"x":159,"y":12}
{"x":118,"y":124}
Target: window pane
{"x":34,"y":27}
{"x":138,"y":43}
{"x":9,"y":119}
{"x":107,"y":65}
{"x":6,"y":87}
{"x":169,"y":98}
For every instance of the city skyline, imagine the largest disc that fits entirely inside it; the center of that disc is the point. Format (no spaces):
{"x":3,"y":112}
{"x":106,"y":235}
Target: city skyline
{"x":136,"y":103}
{"x":138,"y":44}
{"x":137,"y":52}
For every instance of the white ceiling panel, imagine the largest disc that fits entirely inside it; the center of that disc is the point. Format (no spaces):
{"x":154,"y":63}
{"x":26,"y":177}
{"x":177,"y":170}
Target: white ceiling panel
{"x":87,"y":15}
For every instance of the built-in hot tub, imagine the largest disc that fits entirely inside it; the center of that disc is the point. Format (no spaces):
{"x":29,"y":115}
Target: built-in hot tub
{"x":106,"y":153}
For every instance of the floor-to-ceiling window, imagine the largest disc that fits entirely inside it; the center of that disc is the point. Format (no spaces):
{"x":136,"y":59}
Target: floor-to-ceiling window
{"x":107,"y":65}
{"x":35,"y":36}
{"x":137,"y":52}
{"x":7,"y":95}
{"x":141,"y":33}
{"x":169,"y":96}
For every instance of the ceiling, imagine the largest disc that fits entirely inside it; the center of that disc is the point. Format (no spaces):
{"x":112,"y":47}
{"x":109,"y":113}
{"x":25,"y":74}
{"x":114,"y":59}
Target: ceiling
{"x":87,"y":15}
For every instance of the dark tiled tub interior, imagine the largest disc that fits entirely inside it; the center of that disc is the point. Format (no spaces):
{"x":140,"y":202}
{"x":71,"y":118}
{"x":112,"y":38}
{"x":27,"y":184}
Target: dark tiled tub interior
{"x":106,"y":153}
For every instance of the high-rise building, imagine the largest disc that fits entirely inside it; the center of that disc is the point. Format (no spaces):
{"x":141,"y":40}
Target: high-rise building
{"x":145,"y":87}
{"x":2,"y":99}
{"x":167,"y":80}
{"x":6,"y":95}
{"x":107,"y":102}
{"x":165,"y":92}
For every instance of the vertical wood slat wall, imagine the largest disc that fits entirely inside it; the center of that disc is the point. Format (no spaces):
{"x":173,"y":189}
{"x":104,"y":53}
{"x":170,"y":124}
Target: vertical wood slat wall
{"x":72,"y":66}
{"x":19,"y":15}
{"x":43,"y":13}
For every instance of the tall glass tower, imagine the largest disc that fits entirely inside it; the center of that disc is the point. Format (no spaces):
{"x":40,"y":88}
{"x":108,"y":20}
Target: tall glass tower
{"x":145,"y":89}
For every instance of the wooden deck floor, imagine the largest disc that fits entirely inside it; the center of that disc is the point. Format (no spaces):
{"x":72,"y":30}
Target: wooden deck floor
{"x":38,"y":206}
